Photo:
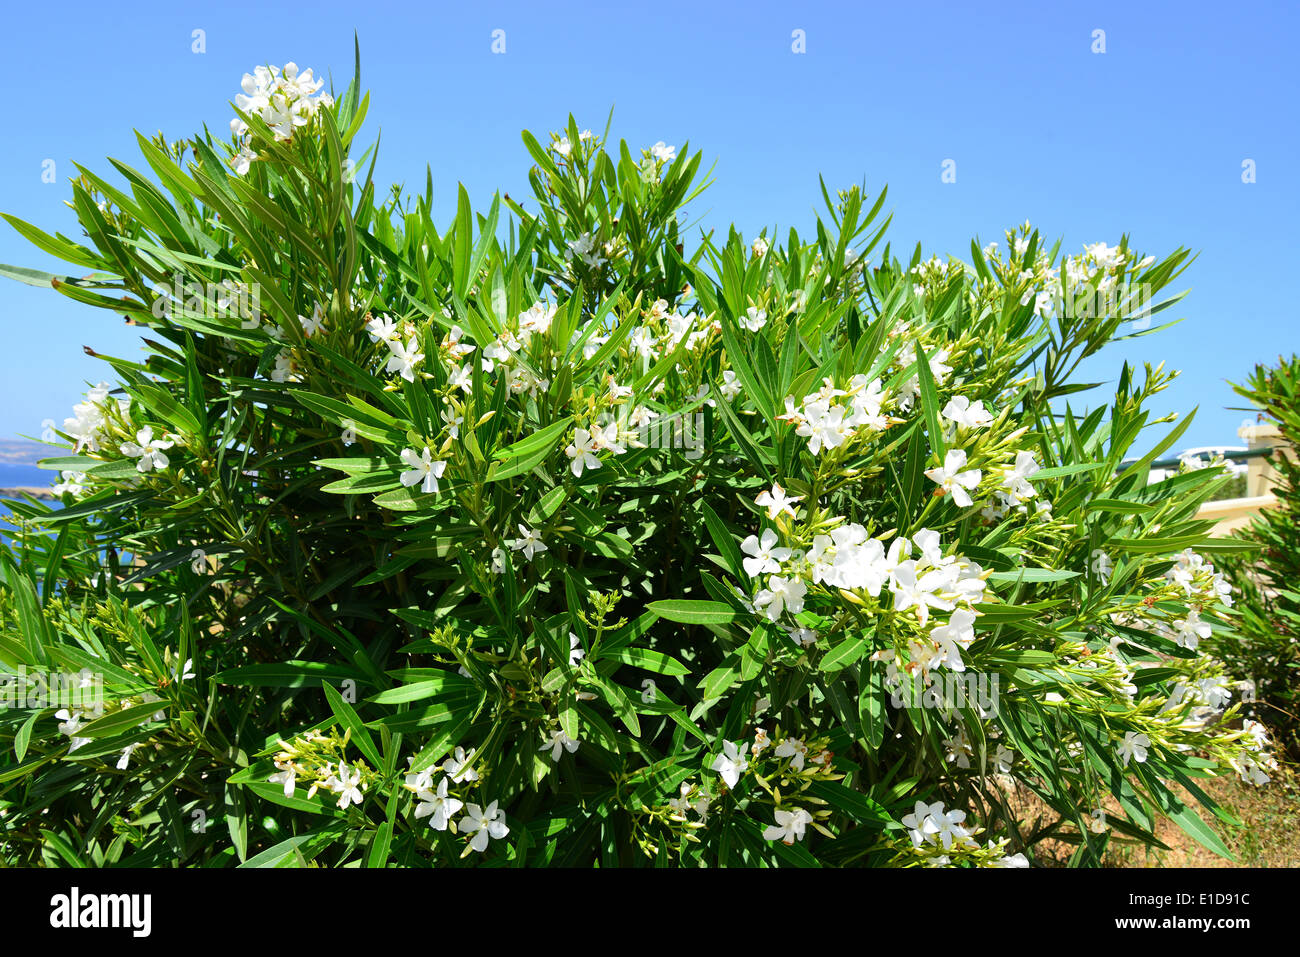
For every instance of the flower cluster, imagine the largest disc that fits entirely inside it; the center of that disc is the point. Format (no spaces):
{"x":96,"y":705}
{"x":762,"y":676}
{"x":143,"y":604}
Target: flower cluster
{"x":1200,"y":583}
{"x":439,"y":805}
{"x":90,"y":418}
{"x":663,"y":329}
{"x":1252,"y":765}
{"x":917,"y":575}
{"x":930,"y":275}
{"x":790,"y":764}
{"x":1015,"y":490}
{"x":831,"y":417}
{"x":943,"y":838}
{"x":284,"y":100}
{"x":316,"y":759}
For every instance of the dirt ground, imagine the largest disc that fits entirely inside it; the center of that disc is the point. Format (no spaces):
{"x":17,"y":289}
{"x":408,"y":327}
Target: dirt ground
{"x":1270,"y":817}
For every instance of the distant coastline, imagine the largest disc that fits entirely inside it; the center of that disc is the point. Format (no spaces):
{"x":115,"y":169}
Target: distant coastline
{"x":19,"y":474}
{"x":33,"y":492}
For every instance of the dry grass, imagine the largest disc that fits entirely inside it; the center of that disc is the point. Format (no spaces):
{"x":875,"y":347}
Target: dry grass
{"x":1270,"y":819}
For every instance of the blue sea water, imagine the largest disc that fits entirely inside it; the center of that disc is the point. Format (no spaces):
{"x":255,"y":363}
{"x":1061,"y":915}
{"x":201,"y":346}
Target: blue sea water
{"x":25,"y":476}
{"x":20,"y":476}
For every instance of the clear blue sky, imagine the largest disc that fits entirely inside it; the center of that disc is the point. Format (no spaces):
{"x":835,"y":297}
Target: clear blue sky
{"x":1147,"y":138}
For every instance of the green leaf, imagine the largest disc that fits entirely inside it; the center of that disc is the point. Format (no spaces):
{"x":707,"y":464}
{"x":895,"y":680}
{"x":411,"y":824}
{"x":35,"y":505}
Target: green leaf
{"x":286,"y":674}
{"x":348,"y":715}
{"x":844,"y":654}
{"x":929,"y":402}
{"x":691,"y":612}
{"x":287,"y":851}
{"x":1194,"y":827}
{"x":1033,"y":575}
{"x":24,"y":735}
{"x":647,"y":660}
{"x":120,"y":721}
{"x":526,"y":454}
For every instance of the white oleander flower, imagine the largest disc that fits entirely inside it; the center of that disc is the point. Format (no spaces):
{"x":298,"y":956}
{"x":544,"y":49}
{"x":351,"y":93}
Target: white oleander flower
{"x":452,"y":344}
{"x":954,"y":637}
{"x":1133,"y":746}
{"x":682,"y":804}
{"x":312,"y":324}
{"x":1101,"y":565}
{"x":776,"y":501}
{"x":781,"y":595}
{"x":454,"y":421}
{"x":954,"y":478}
{"x":148,"y":450}
{"x":662,"y":152}
{"x":967,"y":414}
{"x":582,"y":451}
{"x":418,"y":780}
{"x":537,"y":319}
{"x":1003,"y":760}
{"x":754,"y":319}
{"x":931,"y":824}
{"x":74,"y":483}
{"x":483,"y":823}
{"x":795,"y":750}
{"x":731,"y":763}
{"x":557,"y":743}
{"x":530,"y":542}
{"x":381,"y":328}
{"x":584,"y":247}
{"x":789,"y":826}
{"x":641,"y":416}
{"x":70,"y":723}
{"x":403,"y":358}
{"x":576,"y":653}
{"x":949,"y":829}
{"x":422,"y":470}
{"x":1189,"y":632}
{"x":457,"y":767}
{"x":285,"y":776}
{"x":764,"y":554}
{"x":461,"y":377}
{"x":126,"y":755}
{"x":347,"y":785}
{"x":437,"y":806}
{"x":921,"y":593}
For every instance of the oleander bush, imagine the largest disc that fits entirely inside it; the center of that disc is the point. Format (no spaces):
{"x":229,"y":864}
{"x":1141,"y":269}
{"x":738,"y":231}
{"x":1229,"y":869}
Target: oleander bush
{"x":1264,"y":643}
{"x":569,"y":533}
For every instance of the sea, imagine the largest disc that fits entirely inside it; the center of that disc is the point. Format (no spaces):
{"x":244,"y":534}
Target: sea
{"x":25,"y":476}
{"x":20,"y":476}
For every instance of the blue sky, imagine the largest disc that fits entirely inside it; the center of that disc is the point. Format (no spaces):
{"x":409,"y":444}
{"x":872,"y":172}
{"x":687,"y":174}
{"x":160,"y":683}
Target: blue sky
{"x":1147,"y":138}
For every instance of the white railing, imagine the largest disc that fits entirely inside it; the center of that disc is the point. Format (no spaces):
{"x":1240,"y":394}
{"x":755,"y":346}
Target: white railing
{"x":1231,"y":514}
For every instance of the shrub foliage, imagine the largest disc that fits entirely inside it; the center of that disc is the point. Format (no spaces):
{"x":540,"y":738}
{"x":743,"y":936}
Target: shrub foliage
{"x":567,"y":533}
{"x":1264,"y":644}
